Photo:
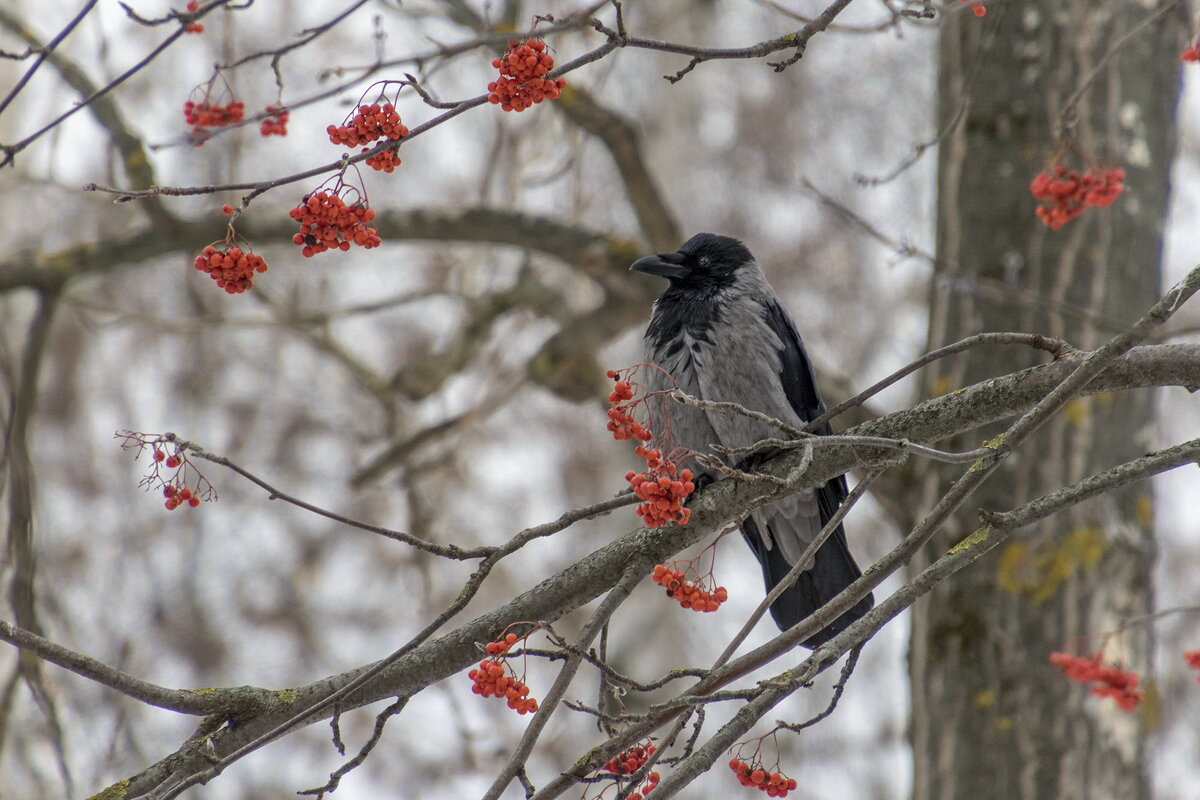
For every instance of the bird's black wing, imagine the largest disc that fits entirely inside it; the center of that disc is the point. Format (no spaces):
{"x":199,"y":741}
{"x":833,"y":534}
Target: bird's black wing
{"x":800,"y":386}
{"x":796,"y":372}
{"x":833,"y":568}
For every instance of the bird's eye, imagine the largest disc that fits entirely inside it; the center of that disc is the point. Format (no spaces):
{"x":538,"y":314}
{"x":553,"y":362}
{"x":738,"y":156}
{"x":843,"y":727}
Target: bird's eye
{"x":703,"y":261}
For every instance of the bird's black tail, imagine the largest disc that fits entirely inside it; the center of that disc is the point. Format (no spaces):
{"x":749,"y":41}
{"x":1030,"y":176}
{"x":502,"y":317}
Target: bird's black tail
{"x":832,"y":571}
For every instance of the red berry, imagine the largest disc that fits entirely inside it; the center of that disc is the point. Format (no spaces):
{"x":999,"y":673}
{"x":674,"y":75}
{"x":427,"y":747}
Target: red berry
{"x":1065,"y":193}
{"x":328,"y":223}
{"x":275,"y":123}
{"x":522,"y":81}
{"x":207,"y":114}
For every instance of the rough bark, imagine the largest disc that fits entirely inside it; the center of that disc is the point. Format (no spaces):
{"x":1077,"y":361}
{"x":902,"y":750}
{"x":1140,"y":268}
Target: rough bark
{"x":991,"y":717}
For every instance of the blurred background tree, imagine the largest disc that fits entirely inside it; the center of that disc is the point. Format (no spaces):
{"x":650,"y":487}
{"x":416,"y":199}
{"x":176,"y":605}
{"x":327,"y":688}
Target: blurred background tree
{"x":1045,"y":84}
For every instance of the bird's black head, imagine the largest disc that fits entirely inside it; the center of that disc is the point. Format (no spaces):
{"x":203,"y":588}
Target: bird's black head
{"x":703,"y":260}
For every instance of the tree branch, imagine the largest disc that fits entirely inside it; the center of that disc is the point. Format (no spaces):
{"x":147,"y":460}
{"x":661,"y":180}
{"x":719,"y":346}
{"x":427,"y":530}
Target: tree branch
{"x":186,"y":701}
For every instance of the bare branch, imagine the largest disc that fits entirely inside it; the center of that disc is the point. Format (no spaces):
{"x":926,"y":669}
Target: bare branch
{"x":1056,"y":347}
{"x":1067,"y":118}
{"x":43,"y":51}
{"x":445,"y":551}
{"x":839,"y":687}
{"x":797,"y":41}
{"x":185,"y":701}
{"x":381,"y":720}
{"x":1136,"y":470}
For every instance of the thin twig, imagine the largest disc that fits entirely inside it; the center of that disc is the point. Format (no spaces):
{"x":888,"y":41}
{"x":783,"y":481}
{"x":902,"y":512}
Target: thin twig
{"x":1056,"y":347}
{"x":840,"y":440}
{"x":184,"y":701}
{"x":1066,"y":119}
{"x":839,"y":687}
{"x":381,"y":720}
{"x":797,"y":41}
{"x":446,"y":551}
{"x":10,"y":151}
{"x":680,"y":396}
{"x":566,"y":649}
{"x":44,"y":52}
{"x":306,"y":36}
{"x":920,"y":148}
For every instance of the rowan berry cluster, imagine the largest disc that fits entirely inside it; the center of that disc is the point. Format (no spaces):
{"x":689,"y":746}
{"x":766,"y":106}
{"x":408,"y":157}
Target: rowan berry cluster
{"x":327,"y":222}
{"x":385,"y":161}
{"x":1066,"y":192}
{"x":193,"y":27}
{"x":1192,"y":657}
{"x":185,"y":485}
{"x":630,"y":761}
{"x":652,"y":779}
{"x":369,"y":122}
{"x":231,"y":267}
{"x":207,"y":114}
{"x":495,"y":678}
{"x":1119,"y":684}
{"x":177,"y":497}
{"x":275,"y":123}
{"x":523,"y":81}
{"x":660,"y":488}
{"x":977,"y":8}
{"x":692,"y":595}
{"x":620,"y":417}
{"x":775,"y":784}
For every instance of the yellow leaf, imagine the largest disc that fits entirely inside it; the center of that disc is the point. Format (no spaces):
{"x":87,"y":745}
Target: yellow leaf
{"x":1151,"y":707}
{"x":1086,"y":545}
{"x":1143,"y":511}
{"x":1012,"y":567}
{"x":1076,"y":411}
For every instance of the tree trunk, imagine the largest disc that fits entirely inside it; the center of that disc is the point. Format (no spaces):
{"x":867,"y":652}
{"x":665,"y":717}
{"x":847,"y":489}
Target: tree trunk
{"x":991,"y":717}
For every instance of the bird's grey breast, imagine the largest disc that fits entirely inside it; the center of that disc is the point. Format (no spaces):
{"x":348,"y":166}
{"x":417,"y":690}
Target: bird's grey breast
{"x":680,"y":355}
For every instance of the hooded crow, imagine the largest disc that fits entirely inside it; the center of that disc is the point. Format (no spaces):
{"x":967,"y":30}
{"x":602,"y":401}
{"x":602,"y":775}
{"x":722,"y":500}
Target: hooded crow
{"x":721,"y":334}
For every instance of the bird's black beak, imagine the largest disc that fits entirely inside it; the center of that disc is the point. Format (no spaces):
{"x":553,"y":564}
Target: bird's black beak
{"x":664,"y":265}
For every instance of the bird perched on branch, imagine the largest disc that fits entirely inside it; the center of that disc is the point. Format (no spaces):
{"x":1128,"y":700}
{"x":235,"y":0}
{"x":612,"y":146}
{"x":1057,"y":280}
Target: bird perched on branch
{"x":721,"y":334}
